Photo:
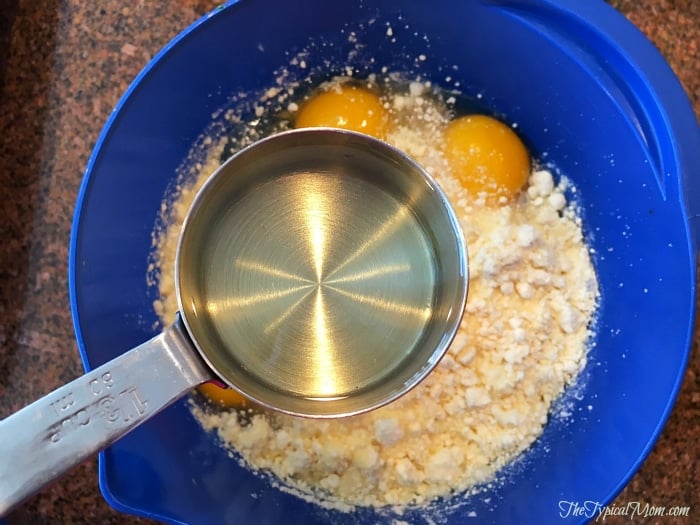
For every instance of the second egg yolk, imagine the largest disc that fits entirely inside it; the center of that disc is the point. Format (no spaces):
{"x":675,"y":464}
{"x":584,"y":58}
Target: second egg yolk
{"x":346,"y":107}
{"x":487,"y":157}
{"x":226,"y":397}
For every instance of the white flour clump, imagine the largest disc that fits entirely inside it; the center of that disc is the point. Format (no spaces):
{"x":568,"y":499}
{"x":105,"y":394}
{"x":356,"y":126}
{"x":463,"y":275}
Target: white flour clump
{"x":523,"y":339}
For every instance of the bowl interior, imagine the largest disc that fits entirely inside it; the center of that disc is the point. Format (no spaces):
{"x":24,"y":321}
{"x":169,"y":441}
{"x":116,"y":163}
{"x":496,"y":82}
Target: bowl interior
{"x":579,"y":104}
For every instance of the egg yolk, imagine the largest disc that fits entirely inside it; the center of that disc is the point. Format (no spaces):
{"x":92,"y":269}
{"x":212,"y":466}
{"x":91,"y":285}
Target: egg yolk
{"x":226,"y":397}
{"x":487,"y":157}
{"x":346,"y":107}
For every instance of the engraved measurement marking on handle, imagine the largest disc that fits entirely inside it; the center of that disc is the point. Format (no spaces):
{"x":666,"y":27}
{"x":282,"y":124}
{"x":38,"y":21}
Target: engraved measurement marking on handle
{"x":125,"y":407}
{"x":63,"y":404}
{"x":104,"y":383}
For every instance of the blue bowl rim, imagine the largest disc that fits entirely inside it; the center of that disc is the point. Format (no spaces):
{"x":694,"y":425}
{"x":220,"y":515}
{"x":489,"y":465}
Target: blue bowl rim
{"x":633,"y":44}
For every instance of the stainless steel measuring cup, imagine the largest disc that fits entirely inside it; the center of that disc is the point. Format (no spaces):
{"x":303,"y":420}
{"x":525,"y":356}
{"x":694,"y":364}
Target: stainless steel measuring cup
{"x":319,"y":272}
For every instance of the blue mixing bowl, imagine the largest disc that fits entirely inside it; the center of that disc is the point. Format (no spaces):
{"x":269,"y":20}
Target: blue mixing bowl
{"x":590,"y":95}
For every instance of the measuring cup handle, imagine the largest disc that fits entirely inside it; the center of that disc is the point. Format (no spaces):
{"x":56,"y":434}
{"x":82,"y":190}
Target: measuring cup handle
{"x":46,"y":438}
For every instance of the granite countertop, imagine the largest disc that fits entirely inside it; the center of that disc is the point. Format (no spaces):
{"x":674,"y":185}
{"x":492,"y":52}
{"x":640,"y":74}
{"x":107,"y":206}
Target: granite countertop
{"x":63,"y":66}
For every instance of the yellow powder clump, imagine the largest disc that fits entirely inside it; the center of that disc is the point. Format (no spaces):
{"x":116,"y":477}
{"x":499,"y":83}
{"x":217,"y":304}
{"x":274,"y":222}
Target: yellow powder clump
{"x":532,"y":295}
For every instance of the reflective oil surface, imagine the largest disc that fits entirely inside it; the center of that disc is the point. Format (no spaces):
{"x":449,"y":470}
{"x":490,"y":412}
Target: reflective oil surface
{"x":321,"y":283}
{"x":321,"y":273}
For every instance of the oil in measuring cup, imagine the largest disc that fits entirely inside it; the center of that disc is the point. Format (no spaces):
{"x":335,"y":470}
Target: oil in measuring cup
{"x":323,"y":282}
{"x":321,"y":277}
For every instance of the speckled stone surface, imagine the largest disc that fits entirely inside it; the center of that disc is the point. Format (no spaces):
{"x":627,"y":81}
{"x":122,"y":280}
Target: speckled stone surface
{"x":63,"y":66}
